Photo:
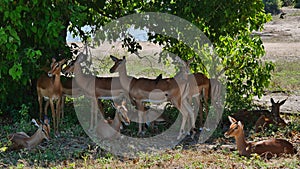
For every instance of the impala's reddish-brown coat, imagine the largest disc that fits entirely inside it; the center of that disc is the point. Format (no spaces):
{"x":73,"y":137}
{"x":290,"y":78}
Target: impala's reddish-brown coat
{"x":265,"y":147}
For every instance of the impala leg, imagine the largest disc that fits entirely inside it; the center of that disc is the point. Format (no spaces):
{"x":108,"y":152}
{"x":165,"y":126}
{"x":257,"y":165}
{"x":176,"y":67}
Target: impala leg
{"x":190,"y":112}
{"x":53,"y":114}
{"x":91,"y":128}
{"x":206,"y":94}
{"x":63,"y":98}
{"x":46,"y":107}
{"x":184,"y":118}
{"x":141,"y":112}
{"x":40,"y":105}
{"x":186,"y":111}
{"x":200,"y":110}
{"x":94,"y":111}
{"x":58,"y":103}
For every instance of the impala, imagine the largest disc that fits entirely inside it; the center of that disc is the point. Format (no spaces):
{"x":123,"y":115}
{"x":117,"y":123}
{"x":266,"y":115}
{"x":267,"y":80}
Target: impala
{"x":107,"y":129}
{"x":265,"y":147}
{"x":264,"y":121}
{"x":150,"y":90}
{"x":251,"y":117}
{"x":50,"y":88}
{"x":108,"y":88}
{"x":68,"y":90}
{"x":21,"y":140}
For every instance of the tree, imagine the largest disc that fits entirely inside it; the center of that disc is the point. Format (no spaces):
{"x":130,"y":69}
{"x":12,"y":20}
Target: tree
{"x":34,"y":31}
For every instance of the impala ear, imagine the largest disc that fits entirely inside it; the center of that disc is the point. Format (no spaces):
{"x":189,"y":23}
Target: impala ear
{"x":272,"y":101}
{"x":114,"y":58}
{"x":231,"y":119}
{"x":123,"y":102}
{"x":240,"y":124}
{"x":282,"y":102}
{"x":35,"y":123}
{"x":62,"y":61}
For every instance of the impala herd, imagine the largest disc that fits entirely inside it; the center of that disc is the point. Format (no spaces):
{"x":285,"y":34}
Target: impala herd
{"x":179,"y":90}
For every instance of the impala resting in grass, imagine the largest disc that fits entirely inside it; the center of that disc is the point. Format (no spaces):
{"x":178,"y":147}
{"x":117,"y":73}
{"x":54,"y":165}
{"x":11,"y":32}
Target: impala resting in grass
{"x":108,"y":88}
{"x":251,"y":117}
{"x":107,"y":129}
{"x":21,"y":140}
{"x":150,"y":90}
{"x":49,"y":87}
{"x":265,"y":147}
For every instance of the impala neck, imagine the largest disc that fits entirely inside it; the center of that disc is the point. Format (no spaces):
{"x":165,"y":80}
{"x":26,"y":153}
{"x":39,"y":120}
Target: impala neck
{"x":116,"y":124}
{"x":241,"y":143}
{"x":57,"y":83}
{"x":80,"y":76}
{"x":124,"y":79}
{"x":36,"y":138}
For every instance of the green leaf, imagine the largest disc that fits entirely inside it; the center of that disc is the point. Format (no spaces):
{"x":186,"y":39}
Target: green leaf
{"x":16,"y":71}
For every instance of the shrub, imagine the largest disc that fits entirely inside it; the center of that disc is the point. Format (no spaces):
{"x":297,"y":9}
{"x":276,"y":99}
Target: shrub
{"x":287,"y":2}
{"x":297,"y":5}
{"x":272,"y":6}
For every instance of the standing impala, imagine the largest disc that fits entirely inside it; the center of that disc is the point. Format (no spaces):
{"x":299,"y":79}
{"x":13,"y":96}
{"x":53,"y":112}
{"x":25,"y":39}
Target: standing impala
{"x":265,"y":147}
{"x":68,"y":90}
{"x":50,"y":88}
{"x":108,"y":88}
{"x":150,"y":90}
{"x":21,"y":140}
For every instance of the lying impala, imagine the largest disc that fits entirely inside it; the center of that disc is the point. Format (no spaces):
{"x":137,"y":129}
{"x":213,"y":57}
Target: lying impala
{"x":251,"y":117}
{"x":21,"y":140}
{"x":149,"y":90}
{"x":107,"y":129}
{"x":50,"y":88}
{"x":266,"y":147}
{"x":108,"y":88}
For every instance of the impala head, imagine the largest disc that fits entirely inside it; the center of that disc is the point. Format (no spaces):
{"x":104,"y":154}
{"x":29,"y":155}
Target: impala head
{"x":122,"y":112}
{"x":81,"y":57}
{"x":235,"y":128}
{"x":69,"y":69}
{"x":55,"y":67}
{"x":118,"y":62}
{"x":44,"y":127}
{"x":276,"y":106}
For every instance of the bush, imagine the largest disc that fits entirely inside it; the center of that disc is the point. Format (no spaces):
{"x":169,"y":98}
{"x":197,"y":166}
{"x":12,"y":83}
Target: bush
{"x":272,"y":6}
{"x":297,"y":5}
{"x":287,"y":2}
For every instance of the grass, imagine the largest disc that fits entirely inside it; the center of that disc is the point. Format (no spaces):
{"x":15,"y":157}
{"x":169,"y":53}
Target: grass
{"x":286,"y":76}
{"x":74,"y":149}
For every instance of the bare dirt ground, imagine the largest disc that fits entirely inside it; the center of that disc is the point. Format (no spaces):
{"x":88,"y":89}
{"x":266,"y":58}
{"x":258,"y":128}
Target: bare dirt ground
{"x":281,"y":38}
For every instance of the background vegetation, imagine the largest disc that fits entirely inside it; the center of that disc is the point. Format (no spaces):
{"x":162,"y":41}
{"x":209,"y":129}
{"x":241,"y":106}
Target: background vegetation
{"x":33,"y":32}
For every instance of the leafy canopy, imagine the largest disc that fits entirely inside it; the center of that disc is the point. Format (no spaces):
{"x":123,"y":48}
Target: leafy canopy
{"x":31,"y":32}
